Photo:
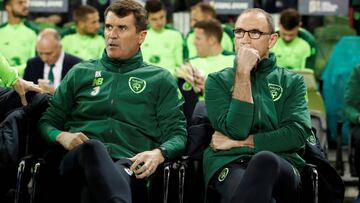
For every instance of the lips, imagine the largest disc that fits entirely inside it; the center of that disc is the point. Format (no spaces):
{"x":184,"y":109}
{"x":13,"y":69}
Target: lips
{"x":113,"y":45}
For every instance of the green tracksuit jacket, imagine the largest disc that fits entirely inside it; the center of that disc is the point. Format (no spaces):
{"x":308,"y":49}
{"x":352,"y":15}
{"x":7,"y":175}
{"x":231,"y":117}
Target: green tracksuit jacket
{"x":128,"y":105}
{"x":278,"y":118}
{"x":8,"y":75}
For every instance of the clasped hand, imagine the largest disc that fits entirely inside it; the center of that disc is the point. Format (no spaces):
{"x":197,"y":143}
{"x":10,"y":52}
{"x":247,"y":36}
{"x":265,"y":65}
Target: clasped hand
{"x":220,"y":141}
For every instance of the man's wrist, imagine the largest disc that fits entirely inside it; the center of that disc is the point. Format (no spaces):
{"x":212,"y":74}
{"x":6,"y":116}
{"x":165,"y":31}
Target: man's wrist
{"x":164,"y":153}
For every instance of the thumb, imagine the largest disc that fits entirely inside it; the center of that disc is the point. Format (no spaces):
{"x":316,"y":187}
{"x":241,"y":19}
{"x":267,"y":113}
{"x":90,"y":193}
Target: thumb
{"x":23,"y":99}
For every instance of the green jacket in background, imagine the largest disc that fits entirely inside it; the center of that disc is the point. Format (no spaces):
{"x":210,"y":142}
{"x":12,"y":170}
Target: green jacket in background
{"x":163,"y":48}
{"x":352,"y":97}
{"x":279,"y":118}
{"x":292,"y":55}
{"x":310,"y":39}
{"x":84,"y":46}
{"x":18,"y":43}
{"x":211,"y":64}
{"x":8,"y":75}
{"x":128,"y":105}
{"x":227,"y":42}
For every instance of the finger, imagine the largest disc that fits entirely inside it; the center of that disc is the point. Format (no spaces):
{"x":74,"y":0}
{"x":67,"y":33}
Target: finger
{"x":136,"y":164}
{"x":140,"y":169}
{"x":83,"y":137}
{"x":23,"y":99}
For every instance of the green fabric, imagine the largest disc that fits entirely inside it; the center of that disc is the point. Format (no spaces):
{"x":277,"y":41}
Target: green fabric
{"x":104,"y":100}
{"x":310,"y":39}
{"x":211,"y":64}
{"x":227,"y":43}
{"x":84,"y":46}
{"x":8,"y":75}
{"x":292,"y":55}
{"x":17,"y":43}
{"x":278,"y":118}
{"x":352,"y":97}
{"x":163,"y":48}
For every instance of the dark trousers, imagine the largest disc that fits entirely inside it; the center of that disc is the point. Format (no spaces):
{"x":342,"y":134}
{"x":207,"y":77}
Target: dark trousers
{"x":355,"y":145}
{"x":259,"y":179}
{"x":90,"y":165}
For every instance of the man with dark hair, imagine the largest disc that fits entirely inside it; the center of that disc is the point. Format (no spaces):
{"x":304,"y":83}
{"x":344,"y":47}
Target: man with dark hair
{"x":204,"y":11}
{"x":211,"y":58}
{"x":119,"y":117}
{"x":52,"y":64}
{"x":85,"y":43}
{"x":162,"y":47}
{"x":293,"y":50}
{"x":261,"y":121}
{"x":18,"y":50}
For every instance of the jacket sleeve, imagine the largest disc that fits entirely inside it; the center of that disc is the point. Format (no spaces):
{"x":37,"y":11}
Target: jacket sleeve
{"x":8,"y":75}
{"x":294,"y":123}
{"x":52,"y":122}
{"x":225,"y":112}
{"x":352,"y":97}
{"x":170,"y":117}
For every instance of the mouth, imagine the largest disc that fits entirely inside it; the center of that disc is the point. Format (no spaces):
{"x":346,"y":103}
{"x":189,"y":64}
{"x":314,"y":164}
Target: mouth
{"x":113,"y":45}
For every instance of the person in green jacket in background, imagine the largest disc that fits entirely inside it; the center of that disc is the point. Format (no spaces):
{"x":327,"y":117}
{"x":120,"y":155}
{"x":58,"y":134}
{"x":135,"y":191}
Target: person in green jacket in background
{"x":17,"y":35}
{"x":261,"y":121}
{"x":204,"y":11}
{"x":291,"y":50}
{"x":85,"y":43}
{"x":162,"y":47}
{"x":118,"y":116}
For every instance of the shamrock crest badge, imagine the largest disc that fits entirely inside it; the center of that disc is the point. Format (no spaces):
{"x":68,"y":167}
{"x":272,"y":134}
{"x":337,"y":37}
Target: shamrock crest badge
{"x":137,"y":85}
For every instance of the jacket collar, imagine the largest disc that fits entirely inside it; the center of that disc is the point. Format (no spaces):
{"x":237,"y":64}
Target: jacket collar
{"x":121,"y":66}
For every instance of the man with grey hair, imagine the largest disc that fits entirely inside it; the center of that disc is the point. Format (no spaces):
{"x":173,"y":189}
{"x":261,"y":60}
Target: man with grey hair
{"x":261,"y":121}
{"x":52,"y":64}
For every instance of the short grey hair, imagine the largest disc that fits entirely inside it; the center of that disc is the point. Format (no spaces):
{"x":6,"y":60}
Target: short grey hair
{"x":269,"y":18}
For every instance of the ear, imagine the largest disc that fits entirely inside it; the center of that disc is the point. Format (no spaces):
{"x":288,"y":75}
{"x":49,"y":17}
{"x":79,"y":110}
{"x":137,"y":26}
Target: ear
{"x":142,"y":36}
{"x":273,"y":39}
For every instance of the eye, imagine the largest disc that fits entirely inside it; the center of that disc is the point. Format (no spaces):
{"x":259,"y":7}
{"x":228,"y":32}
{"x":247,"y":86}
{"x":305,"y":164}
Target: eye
{"x":123,"y":28}
{"x":108,"y":27}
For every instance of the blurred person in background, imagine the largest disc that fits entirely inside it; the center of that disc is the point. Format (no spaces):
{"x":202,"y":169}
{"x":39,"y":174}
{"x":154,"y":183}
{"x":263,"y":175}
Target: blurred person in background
{"x":18,"y":36}
{"x":52,"y":64}
{"x":163,"y":46}
{"x":85,"y":43}
{"x":204,"y":11}
{"x":291,"y":50}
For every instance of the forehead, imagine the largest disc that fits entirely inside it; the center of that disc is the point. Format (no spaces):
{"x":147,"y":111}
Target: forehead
{"x":113,"y":19}
{"x":252,"y":21}
{"x":92,"y":16}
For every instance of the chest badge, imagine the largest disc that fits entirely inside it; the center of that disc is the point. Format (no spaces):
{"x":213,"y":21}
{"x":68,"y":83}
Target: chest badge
{"x":275,"y":91}
{"x":137,"y":85}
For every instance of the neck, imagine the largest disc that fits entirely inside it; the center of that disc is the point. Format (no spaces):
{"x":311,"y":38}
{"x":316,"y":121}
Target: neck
{"x":216,"y":50}
{"x":80,"y":31}
{"x":14,"y":20}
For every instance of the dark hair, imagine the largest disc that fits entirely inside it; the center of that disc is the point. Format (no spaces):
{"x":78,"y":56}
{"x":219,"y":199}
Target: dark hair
{"x":124,"y":8}
{"x":211,"y":28}
{"x":6,"y":2}
{"x":269,"y":19}
{"x":154,"y":6}
{"x":80,"y":14}
{"x":290,"y":18}
{"x":205,"y":8}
